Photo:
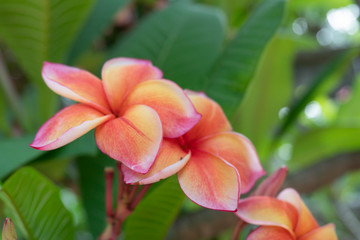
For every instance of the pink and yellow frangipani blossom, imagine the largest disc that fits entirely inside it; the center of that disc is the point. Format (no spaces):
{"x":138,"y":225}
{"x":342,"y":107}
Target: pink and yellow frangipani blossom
{"x":132,"y":109}
{"x":283,"y":218}
{"x":214,"y":165}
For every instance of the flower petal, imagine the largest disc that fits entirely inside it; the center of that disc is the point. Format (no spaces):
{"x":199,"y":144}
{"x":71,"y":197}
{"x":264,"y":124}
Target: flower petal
{"x":175,"y":109}
{"x":306,"y":222}
{"x":213,"y":118}
{"x":238,"y":151}
{"x":120,"y":76}
{"x":134,"y":139}
{"x":268,"y":233}
{"x":325,"y":232}
{"x":261,"y":210}
{"x":67,"y":125}
{"x":75,"y":84}
{"x":170,"y":160}
{"x":210,"y":182}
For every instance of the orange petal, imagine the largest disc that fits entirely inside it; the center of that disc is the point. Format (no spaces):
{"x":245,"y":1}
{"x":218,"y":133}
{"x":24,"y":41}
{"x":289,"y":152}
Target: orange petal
{"x":261,"y":210}
{"x":270,"y":186}
{"x":270,"y":233}
{"x":170,"y":160}
{"x":306,"y":222}
{"x":75,"y":84}
{"x":175,"y":109}
{"x":326,"y":232}
{"x":134,"y":139}
{"x":213,"y":118}
{"x":67,"y":125}
{"x":210,"y":182}
{"x":121,"y":75}
{"x":238,"y":151}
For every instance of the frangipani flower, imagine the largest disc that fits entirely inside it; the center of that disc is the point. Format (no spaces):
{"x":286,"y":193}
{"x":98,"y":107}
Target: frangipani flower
{"x":214,"y":164}
{"x":132,"y":109}
{"x":283,"y":218}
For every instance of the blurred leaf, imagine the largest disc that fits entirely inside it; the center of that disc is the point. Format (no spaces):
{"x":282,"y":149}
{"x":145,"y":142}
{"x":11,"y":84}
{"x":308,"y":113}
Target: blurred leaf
{"x":36,"y":205}
{"x":183,"y":41}
{"x":324,"y":81}
{"x":268,"y":92}
{"x":16,"y":152}
{"x":349,"y":112}
{"x":323,"y":4}
{"x":36,"y":31}
{"x":101,"y":16}
{"x":92,"y":186}
{"x":154,"y":215}
{"x":236,"y":67}
{"x":321,"y":143}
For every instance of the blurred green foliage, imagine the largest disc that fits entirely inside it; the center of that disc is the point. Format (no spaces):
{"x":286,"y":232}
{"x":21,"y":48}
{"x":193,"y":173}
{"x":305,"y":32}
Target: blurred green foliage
{"x":285,"y":74}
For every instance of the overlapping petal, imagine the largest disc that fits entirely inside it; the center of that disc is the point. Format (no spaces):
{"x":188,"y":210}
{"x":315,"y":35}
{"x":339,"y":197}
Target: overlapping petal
{"x":237,"y":150}
{"x":210,"y":182}
{"x":306,"y":221}
{"x":121,"y":75}
{"x":325,"y":232}
{"x":269,"y":233}
{"x":175,"y":109}
{"x":213,"y":119}
{"x":170,"y":160}
{"x":75,"y":84}
{"x":67,"y":125}
{"x":261,"y":210}
{"x":134,"y":139}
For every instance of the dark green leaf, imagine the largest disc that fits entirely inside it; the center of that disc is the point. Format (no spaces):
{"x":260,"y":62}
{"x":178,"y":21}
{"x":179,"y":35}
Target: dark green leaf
{"x":101,"y":16}
{"x":183,"y":41}
{"x":36,"y":205}
{"x":16,"y":152}
{"x":229,"y":80}
{"x":92,"y":186}
{"x":156,"y":212}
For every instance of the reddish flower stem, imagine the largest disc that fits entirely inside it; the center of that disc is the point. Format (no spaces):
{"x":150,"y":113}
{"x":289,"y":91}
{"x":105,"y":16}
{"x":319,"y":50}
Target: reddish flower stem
{"x":238,"y":228}
{"x":138,"y":198}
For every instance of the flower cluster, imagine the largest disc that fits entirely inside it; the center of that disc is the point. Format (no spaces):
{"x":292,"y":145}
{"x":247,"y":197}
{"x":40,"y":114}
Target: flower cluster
{"x":155,"y":129}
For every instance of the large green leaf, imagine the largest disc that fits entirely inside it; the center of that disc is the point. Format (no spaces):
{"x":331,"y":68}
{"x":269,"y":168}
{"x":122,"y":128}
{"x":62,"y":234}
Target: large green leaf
{"x":36,"y":205}
{"x":268,"y":92}
{"x":183,"y":41}
{"x":101,"y":16}
{"x":92,"y":186}
{"x":16,"y":152}
{"x":156,"y":212}
{"x":38,"y":31}
{"x":236,"y":67}
{"x":322,"y":143}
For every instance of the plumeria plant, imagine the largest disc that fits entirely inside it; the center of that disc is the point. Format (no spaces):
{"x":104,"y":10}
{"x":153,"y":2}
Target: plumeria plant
{"x":162,"y":119}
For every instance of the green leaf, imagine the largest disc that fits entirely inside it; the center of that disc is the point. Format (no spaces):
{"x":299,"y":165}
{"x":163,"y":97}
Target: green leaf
{"x":322,"y":143}
{"x":38,"y":31}
{"x":232,"y":73}
{"x":268,"y":92}
{"x":156,"y":212}
{"x":92,"y":186}
{"x":36,"y":205}
{"x":183,"y":41}
{"x":16,"y":152}
{"x":101,"y":16}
